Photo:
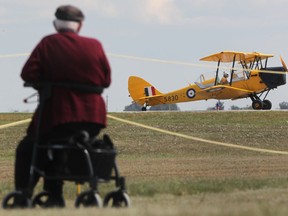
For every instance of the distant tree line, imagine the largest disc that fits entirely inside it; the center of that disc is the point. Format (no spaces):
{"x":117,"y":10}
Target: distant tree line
{"x":218,"y":106}
{"x":283,"y":105}
{"x":137,"y":107}
{"x":233,"y":107}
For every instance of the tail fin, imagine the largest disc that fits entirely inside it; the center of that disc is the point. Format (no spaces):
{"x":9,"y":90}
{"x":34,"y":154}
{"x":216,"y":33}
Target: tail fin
{"x":139,"y":88}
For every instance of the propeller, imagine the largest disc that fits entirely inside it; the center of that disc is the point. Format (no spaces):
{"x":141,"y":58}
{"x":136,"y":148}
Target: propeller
{"x":283,"y":64}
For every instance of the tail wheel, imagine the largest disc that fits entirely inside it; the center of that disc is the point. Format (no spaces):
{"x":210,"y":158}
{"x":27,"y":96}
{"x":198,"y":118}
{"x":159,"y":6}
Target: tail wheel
{"x":257,"y":104}
{"x":267,"y":105}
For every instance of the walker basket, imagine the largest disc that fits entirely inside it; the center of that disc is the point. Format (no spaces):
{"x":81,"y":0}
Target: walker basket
{"x":101,"y":159}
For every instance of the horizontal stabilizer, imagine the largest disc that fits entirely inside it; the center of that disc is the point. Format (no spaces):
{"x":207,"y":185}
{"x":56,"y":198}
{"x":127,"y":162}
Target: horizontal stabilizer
{"x":151,"y":97}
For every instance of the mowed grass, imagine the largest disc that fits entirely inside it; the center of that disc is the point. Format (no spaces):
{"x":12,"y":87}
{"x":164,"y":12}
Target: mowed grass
{"x":170,"y":175}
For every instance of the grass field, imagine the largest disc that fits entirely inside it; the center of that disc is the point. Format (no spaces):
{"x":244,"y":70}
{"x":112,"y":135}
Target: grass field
{"x":170,"y":175}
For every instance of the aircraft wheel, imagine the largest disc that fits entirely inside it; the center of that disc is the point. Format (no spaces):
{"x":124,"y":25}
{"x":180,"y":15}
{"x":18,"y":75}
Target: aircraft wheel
{"x":117,"y":199}
{"x":267,"y":105}
{"x":144,"y":109}
{"x":257,"y":104}
{"x":16,"y":199}
{"x":88,"y":199}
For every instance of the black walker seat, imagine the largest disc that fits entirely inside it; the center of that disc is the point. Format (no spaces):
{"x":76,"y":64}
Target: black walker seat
{"x":79,"y":158}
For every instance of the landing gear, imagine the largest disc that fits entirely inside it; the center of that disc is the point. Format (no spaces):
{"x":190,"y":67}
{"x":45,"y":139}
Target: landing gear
{"x":258,"y":104}
{"x":144,"y":108}
{"x":267,"y":105}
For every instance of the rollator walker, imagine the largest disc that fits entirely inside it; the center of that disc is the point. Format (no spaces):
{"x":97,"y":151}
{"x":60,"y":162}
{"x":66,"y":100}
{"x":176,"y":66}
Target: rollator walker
{"x":95,"y":157}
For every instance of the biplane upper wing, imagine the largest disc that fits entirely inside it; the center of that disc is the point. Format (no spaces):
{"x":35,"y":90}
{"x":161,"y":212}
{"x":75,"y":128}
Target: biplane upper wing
{"x":225,"y":56}
{"x":230,"y":56}
{"x":224,"y":92}
{"x":250,"y":57}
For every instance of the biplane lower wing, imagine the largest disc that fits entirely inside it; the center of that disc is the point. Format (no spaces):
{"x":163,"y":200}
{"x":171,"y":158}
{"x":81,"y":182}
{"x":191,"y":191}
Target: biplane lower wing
{"x":224,"y":92}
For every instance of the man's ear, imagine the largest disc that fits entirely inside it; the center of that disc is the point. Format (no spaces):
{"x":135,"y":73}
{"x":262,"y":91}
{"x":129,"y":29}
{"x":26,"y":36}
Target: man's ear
{"x":79,"y":27}
{"x":54,"y":24}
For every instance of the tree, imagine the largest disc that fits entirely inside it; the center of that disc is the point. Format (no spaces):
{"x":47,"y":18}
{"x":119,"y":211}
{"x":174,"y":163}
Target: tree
{"x":133,"y":107}
{"x":283,"y":105}
{"x":233,"y":107}
{"x":165,"y":107}
{"x":137,"y":107}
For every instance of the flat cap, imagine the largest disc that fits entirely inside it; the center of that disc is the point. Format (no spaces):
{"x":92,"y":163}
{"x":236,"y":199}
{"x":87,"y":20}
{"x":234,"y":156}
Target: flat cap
{"x":69,"y":13}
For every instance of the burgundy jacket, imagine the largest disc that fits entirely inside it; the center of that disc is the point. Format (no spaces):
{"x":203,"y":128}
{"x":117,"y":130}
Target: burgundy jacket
{"x":68,"y":57}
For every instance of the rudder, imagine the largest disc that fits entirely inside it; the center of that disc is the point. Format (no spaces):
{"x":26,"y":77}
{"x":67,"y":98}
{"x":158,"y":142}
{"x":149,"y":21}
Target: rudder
{"x":139,"y":88}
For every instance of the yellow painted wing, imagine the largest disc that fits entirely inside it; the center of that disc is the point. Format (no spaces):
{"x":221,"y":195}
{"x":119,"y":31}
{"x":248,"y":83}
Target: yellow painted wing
{"x":224,"y":92}
{"x":230,"y":56}
{"x":225,"y":56}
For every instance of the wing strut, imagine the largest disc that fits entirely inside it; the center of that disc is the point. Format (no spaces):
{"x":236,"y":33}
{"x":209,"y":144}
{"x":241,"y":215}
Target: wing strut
{"x":232,"y":70}
{"x":217,"y":71}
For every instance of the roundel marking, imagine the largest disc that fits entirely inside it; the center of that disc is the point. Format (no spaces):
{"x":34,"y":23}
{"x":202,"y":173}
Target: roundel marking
{"x":190,"y":93}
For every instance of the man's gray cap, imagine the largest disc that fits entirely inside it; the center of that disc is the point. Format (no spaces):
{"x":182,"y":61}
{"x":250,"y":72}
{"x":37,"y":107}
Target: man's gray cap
{"x":69,"y":13}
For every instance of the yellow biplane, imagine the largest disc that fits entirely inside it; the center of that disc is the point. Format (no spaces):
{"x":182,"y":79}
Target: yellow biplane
{"x":249,"y":76}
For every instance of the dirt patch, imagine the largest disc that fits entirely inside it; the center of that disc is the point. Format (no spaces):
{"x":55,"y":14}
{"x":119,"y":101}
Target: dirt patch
{"x":205,"y":167}
{"x":6,"y":171}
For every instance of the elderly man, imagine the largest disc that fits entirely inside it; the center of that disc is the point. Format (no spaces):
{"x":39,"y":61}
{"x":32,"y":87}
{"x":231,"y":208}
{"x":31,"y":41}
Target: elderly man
{"x":63,"y":57}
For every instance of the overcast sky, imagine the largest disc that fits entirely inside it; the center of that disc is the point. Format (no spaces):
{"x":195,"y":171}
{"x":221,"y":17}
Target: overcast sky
{"x":172,"y":30}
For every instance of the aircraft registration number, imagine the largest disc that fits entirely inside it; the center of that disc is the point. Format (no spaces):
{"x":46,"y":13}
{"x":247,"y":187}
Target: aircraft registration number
{"x":171,"y":98}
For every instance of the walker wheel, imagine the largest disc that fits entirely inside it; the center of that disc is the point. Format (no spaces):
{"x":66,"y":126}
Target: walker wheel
{"x":88,"y":199}
{"x":117,"y":199}
{"x":40,"y":199}
{"x":15,"y":199}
